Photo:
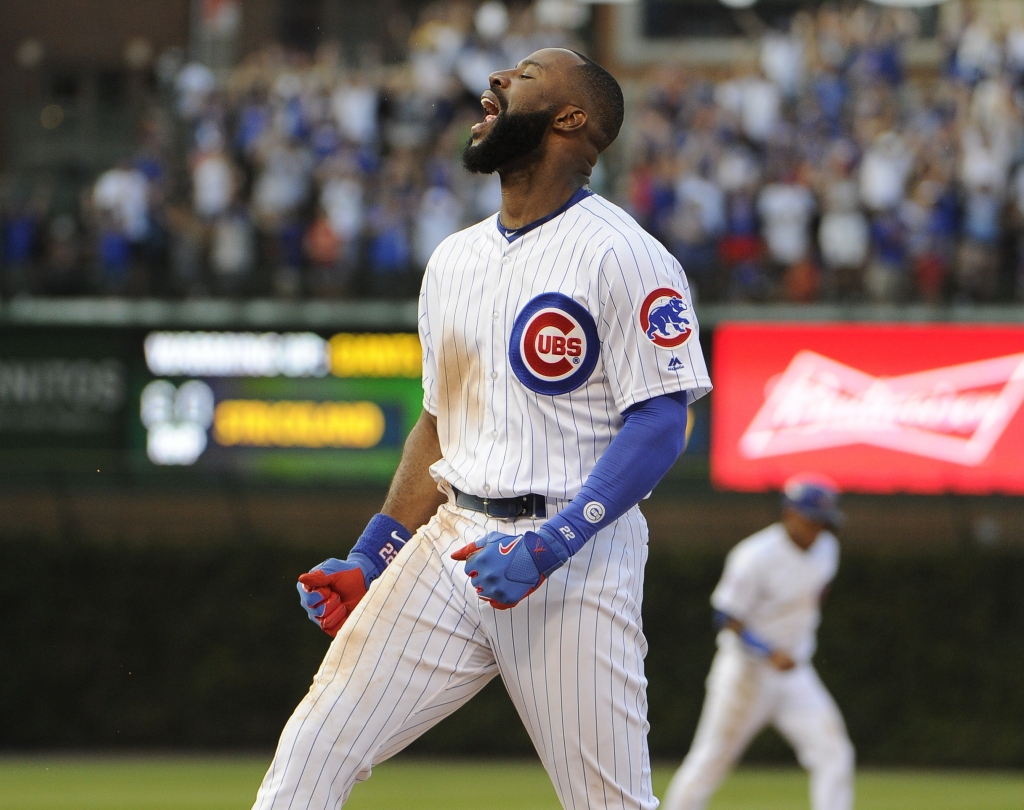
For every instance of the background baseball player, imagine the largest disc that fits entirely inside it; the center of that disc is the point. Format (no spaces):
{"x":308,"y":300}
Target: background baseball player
{"x":560,"y":352}
{"x":768,"y":606}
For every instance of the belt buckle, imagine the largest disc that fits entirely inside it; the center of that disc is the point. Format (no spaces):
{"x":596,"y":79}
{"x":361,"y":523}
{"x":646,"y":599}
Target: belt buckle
{"x":486,"y":502}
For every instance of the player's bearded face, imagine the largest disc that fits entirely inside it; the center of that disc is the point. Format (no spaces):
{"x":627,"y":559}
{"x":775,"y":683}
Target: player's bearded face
{"x":512,"y":137}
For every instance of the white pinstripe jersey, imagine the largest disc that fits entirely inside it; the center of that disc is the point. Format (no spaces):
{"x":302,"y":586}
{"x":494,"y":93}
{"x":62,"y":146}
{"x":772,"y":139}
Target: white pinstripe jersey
{"x":774,"y":587}
{"x":536,"y":341}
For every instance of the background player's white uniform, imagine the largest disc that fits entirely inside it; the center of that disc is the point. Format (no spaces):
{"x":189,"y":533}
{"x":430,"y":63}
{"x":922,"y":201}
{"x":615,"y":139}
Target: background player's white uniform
{"x":534,"y":343}
{"x":774,"y":588}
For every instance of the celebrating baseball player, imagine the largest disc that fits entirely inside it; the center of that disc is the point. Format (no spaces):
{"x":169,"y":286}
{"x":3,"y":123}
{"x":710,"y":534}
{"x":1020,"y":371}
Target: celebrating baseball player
{"x":560,"y":352}
{"x":768,"y":607}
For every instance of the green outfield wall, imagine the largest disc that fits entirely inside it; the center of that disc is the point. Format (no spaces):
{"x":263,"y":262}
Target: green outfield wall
{"x":108,"y":645}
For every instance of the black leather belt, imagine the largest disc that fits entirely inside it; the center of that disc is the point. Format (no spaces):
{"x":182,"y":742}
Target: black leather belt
{"x":531,"y":505}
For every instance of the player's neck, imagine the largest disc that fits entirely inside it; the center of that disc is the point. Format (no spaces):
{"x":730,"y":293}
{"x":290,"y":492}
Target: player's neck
{"x":802,"y":539}
{"x":534,"y":191}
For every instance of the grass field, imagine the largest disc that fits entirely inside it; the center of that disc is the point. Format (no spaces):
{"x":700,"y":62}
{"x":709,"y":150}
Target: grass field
{"x":224,"y":783}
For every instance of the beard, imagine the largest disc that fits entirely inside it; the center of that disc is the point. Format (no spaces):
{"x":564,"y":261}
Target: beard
{"x":513,"y":136}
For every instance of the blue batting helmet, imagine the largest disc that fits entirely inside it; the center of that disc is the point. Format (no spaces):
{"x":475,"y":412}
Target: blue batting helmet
{"x":815,"y":497}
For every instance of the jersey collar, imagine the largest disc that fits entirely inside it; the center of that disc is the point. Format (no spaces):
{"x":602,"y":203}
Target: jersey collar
{"x":511,"y":235}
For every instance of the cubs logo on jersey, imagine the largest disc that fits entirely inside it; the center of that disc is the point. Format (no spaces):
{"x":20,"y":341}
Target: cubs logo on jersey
{"x":664,"y":318}
{"x":554,"y":345}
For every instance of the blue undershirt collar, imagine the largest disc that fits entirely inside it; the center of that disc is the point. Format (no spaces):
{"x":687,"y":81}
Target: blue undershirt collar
{"x":511,"y":235}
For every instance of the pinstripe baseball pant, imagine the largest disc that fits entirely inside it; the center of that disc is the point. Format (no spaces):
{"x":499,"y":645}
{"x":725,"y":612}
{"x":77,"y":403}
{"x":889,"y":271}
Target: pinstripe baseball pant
{"x":421,"y":644}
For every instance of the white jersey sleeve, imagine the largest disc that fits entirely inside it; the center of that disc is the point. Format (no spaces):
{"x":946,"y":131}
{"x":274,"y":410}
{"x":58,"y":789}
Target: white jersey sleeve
{"x":774,"y":587}
{"x":826,"y":551}
{"x":426,"y":347}
{"x":649,"y":334}
{"x":738,"y":591}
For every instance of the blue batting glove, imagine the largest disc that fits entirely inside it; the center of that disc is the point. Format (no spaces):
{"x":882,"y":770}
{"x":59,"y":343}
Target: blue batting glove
{"x":505,"y":569}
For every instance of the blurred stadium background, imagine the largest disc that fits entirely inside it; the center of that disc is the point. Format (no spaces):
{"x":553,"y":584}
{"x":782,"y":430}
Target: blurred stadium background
{"x":213,"y":219}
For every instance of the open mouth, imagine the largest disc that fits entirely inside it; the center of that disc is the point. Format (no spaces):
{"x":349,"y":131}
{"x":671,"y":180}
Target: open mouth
{"x":491,"y":112}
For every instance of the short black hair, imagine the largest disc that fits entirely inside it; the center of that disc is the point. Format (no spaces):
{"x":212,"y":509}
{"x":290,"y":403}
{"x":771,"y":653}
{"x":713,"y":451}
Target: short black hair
{"x":603,"y":97}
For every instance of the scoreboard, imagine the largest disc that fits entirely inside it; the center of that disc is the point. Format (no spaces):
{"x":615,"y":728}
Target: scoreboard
{"x":921,"y":408}
{"x":283,"y":405}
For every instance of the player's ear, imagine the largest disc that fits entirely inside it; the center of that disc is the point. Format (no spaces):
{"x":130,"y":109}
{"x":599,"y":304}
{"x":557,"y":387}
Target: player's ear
{"x":570,"y":119}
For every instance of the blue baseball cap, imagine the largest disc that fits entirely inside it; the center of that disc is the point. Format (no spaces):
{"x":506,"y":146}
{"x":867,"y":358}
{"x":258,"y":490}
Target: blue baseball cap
{"x":814,"y":496}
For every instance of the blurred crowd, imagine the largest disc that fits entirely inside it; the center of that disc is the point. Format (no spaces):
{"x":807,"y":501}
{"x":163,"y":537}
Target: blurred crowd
{"x":826,"y":169}
{"x":827,"y":172}
{"x":293,"y":175}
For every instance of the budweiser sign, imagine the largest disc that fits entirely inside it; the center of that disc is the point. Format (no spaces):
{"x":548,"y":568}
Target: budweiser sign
{"x":954,"y":414}
{"x":878,"y":408}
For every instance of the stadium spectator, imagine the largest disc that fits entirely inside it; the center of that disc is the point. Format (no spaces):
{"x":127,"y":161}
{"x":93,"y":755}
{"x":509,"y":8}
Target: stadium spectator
{"x":19,"y":235}
{"x":232,"y":252}
{"x":786,"y":207}
{"x":824,"y":171}
{"x":120,"y":204}
{"x":903,"y":180}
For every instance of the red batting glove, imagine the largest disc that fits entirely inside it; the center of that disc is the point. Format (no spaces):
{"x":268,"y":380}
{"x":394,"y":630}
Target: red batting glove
{"x":340,"y":592}
{"x":465,"y":552}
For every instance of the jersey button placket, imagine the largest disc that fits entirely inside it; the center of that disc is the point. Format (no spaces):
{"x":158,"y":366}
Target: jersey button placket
{"x":496,"y":413}
{"x":497,"y":338}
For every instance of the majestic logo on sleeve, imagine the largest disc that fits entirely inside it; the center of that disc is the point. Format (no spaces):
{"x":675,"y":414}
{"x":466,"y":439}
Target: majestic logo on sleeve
{"x":955,"y":414}
{"x":554,"y":345}
{"x":664,"y":318}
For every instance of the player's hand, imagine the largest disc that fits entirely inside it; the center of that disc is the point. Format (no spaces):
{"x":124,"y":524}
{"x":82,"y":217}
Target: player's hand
{"x":505,"y":569}
{"x":330,"y":591}
{"x":781,"y":661}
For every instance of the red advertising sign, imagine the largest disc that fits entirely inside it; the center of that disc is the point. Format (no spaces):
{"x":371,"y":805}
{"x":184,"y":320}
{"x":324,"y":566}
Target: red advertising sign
{"x":879,"y":408}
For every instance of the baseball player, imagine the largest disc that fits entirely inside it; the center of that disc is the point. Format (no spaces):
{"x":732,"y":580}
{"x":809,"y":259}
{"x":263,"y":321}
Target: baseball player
{"x":560,"y":352}
{"x":768,"y":607}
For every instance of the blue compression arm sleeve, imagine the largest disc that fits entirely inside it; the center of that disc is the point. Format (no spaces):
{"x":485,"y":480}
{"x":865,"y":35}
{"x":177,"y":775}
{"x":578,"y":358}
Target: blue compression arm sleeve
{"x":647,"y":446}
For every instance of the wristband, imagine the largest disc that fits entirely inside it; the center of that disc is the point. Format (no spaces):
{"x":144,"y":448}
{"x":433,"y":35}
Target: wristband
{"x":378,"y":545}
{"x":563,"y":536}
{"x":552,"y":554}
{"x":752,"y":640}
{"x":755,"y":643}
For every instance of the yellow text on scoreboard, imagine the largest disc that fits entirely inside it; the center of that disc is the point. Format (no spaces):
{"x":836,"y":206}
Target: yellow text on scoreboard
{"x":259,"y":423}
